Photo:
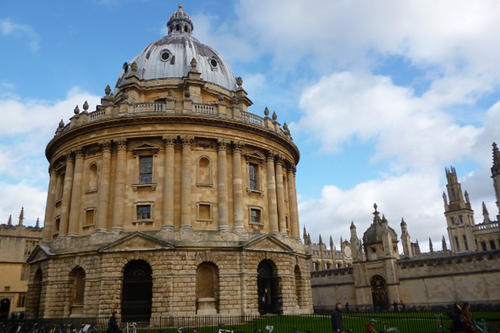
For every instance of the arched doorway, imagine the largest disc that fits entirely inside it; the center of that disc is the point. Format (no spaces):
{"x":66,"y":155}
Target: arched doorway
{"x":268,"y":288}
{"x":37,"y":293}
{"x":207,"y":289}
{"x":137,"y":291}
{"x":379,"y":292}
{"x":4,"y":308}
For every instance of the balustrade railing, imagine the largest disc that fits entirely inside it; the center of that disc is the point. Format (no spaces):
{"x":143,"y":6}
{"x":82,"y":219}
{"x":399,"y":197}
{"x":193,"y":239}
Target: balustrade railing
{"x":149,"y":107}
{"x":252,"y":119}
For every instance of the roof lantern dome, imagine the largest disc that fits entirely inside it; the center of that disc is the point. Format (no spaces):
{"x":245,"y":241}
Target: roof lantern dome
{"x":172,"y":56}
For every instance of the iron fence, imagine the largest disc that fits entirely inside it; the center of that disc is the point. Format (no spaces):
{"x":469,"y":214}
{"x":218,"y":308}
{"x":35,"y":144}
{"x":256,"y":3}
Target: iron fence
{"x":404,"y":322}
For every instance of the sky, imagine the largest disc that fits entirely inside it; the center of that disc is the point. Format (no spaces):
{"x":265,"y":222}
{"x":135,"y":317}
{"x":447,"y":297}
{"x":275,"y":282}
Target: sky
{"x":380,"y":96}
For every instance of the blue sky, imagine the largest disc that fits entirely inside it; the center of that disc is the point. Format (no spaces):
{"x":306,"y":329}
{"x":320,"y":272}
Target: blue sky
{"x":380,"y":96}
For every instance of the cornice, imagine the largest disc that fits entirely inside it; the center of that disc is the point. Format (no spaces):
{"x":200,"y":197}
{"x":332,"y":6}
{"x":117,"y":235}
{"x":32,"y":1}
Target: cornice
{"x":67,"y":136}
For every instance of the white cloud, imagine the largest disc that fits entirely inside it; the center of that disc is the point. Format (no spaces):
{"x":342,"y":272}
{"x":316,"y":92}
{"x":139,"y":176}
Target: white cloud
{"x":27,"y":127}
{"x":9,"y":28}
{"x":454,"y":35}
{"x":414,"y":133}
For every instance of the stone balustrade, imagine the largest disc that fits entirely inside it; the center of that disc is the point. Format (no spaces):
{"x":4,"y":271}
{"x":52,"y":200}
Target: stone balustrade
{"x":196,"y":109}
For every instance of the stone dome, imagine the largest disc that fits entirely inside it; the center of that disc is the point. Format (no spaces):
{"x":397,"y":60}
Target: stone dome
{"x":377,"y":229}
{"x":171,"y":57}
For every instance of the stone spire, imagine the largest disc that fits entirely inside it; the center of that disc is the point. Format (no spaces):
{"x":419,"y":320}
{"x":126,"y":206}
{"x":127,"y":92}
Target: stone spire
{"x":431,"y":249}
{"x":486,"y":215}
{"x":21,"y":216}
{"x":443,"y":244}
{"x":466,"y":194}
{"x":445,"y":201}
{"x":405,"y":239}
{"x":37,"y":225}
{"x":320,"y":239}
{"x":9,"y":223}
{"x":332,"y":246}
{"x":304,"y":234}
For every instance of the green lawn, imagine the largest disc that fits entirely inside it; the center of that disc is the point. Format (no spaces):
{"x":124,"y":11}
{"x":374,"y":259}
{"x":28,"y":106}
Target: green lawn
{"x":415,"y":322}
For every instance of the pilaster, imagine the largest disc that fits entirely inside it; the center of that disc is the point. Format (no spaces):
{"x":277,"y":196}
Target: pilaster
{"x":168,"y":186}
{"x":280,"y":195}
{"x":66,"y":197}
{"x":103,"y":194}
{"x":292,"y":197}
{"x":76,"y":194}
{"x":120,"y":177}
{"x":237,"y":188}
{"x":271,"y":194}
{"x":186,"y":210}
{"x":222,"y":185}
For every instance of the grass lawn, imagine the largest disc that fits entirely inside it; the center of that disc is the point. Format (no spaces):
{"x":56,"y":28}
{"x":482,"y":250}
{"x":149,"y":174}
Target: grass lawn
{"x":409,"y":322}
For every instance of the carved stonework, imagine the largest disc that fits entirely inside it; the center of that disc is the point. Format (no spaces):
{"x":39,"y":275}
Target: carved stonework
{"x":121,"y":144}
{"x":222,"y":144}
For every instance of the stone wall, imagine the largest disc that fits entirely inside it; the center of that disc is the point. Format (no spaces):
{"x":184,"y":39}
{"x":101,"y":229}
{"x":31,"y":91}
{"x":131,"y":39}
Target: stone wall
{"x":473,"y":277}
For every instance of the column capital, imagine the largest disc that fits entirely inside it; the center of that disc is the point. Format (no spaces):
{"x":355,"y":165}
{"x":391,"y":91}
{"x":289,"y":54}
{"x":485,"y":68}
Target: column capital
{"x":121,"y":144}
{"x":291,"y":169}
{"x":280,"y":159}
{"x":187,"y":140}
{"x":168,"y":140}
{"x":78,"y":152}
{"x":237,"y":145}
{"x":105,"y":145}
{"x":222,"y":144}
{"x":270,"y":155}
{"x":52,"y":171}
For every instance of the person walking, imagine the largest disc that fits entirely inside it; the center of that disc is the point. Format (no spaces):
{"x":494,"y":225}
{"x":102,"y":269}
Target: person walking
{"x":456,"y":319}
{"x":468,"y":324}
{"x":337,"y":326}
{"x":112,"y":324}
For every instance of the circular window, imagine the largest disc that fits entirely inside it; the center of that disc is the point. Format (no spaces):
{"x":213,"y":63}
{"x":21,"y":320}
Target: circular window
{"x":165,"y":55}
{"x":213,"y":62}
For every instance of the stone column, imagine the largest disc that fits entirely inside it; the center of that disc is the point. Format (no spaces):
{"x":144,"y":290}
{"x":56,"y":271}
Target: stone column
{"x":103,"y":194}
{"x":186,"y":209}
{"x":66,"y":197}
{"x":222,"y":185}
{"x":237,"y":189}
{"x":168,"y":185}
{"x":271,"y":194}
{"x":48,"y":225}
{"x":76,"y":195}
{"x":120,"y":178}
{"x":292,"y":201}
{"x":280,"y":194}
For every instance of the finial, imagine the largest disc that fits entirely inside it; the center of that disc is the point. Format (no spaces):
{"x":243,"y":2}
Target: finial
{"x":194,"y":63}
{"x":37,"y":225}
{"x":239,"y":81}
{"x":496,"y":154}
{"x":266,"y":112}
{"x":180,"y":5}
{"x":443,"y":244}
{"x":430,"y":245}
{"x":21,"y":216}
{"x":76,"y":110}
{"x":285,"y":126}
{"x":10,"y":220}
{"x":107,"y":90}
{"x":85,"y":106}
{"x":375,"y":207}
{"x":486,"y":215}
{"x":403,"y":223}
{"x":61,"y":124}
{"x":133,"y":67}
{"x":320,"y":239}
{"x":275,"y":116}
{"x":352,"y":225}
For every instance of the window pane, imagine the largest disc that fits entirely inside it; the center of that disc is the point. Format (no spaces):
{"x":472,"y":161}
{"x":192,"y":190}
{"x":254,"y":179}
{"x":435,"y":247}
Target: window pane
{"x":252,"y":170}
{"x":255,"y":215}
{"x":144,"y":212}
{"x":146,"y":169}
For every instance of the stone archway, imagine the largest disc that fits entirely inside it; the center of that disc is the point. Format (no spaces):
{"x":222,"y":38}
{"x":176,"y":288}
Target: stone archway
{"x":137,"y":291}
{"x":268,"y":286}
{"x":4,"y":308}
{"x":379,"y":292}
{"x":207,"y":289}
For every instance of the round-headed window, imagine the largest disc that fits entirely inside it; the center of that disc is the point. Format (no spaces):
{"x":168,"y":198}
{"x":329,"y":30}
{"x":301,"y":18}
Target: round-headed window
{"x":165,"y":55}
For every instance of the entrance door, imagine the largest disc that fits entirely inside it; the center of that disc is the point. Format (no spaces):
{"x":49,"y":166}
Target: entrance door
{"x":379,"y":292}
{"x":137,"y":291}
{"x":4,"y":309}
{"x":268,"y":288}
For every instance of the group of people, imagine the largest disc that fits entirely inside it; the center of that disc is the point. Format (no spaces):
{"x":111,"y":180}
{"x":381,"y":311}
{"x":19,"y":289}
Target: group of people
{"x":461,"y":319}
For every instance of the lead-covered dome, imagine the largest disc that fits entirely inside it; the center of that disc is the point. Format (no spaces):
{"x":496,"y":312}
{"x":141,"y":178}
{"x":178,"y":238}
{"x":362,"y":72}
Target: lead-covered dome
{"x":171,"y":56}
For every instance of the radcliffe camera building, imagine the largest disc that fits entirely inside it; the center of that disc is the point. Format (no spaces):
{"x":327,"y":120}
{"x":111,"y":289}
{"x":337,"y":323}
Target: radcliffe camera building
{"x":171,"y":198}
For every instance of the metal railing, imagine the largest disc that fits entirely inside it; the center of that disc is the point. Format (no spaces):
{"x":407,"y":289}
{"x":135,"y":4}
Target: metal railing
{"x":399,"y":321}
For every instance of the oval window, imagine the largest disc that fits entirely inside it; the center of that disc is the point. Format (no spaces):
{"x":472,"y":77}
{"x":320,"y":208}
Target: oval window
{"x":165,"y":55}
{"x":213,"y":62}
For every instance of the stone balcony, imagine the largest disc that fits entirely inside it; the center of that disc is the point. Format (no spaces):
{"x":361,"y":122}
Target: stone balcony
{"x":186,"y":108}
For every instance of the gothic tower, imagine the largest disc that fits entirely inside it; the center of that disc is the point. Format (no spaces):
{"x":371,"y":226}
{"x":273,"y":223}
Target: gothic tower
{"x":495,"y":174}
{"x":459,"y":215}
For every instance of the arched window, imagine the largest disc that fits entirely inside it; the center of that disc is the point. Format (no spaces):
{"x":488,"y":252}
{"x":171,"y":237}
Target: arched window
{"x":77,"y":291}
{"x":298,"y":286}
{"x":207,"y":289}
{"x":92,"y":178}
{"x":204,"y":174}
